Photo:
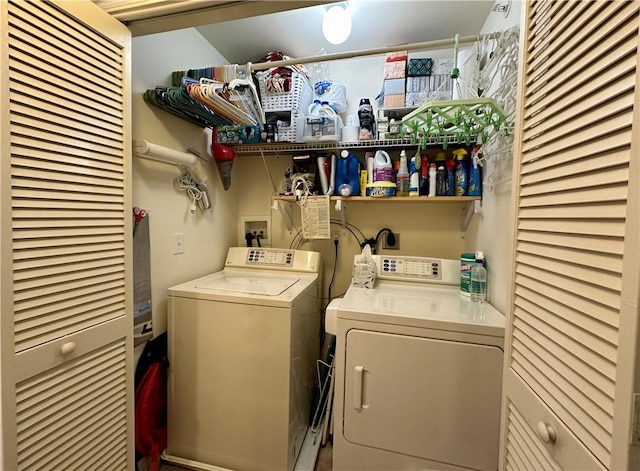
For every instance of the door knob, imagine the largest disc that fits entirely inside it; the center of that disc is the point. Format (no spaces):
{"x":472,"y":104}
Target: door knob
{"x":67,"y":348}
{"x":546,"y":432}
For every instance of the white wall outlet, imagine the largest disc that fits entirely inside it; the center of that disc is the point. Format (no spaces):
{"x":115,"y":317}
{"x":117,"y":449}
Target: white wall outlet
{"x":386,"y":245}
{"x":178,"y":243}
{"x":335,"y":236}
{"x":255,"y":229}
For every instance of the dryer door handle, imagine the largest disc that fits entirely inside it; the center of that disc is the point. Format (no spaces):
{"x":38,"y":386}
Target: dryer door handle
{"x":358,"y":373}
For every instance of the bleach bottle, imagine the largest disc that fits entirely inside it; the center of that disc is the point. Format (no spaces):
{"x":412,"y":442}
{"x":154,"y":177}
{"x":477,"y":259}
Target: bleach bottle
{"x":382,"y":167}
{"x":347,"y":177}
{"x":314,"y":108}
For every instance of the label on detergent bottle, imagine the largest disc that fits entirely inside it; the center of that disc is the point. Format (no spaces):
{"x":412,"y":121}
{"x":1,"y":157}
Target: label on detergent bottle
{"x":467,"y":261}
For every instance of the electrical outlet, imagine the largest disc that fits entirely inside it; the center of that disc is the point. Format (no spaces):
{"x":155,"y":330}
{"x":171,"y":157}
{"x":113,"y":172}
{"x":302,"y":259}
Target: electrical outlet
{"x":335,"y":236}
{"x":387,"y":246}
{"x":178,"y":243}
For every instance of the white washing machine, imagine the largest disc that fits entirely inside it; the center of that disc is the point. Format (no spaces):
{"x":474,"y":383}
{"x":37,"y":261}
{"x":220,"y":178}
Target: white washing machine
{"x":242,"y":349}
{"x":418,"y":372}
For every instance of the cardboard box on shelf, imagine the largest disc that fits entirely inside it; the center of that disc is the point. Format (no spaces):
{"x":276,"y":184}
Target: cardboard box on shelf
{"x":419,"y":67}
{"x":394,"y":101}
{"x":394,"y":86}
{"x":395,"y":70}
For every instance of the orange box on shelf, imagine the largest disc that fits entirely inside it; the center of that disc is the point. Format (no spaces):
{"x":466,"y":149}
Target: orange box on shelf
{"x":394,"y":101}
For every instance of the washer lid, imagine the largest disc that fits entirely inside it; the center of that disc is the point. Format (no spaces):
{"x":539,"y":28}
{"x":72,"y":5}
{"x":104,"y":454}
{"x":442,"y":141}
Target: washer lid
{"x":256,"y":287}
{"x":249,"y":284}
{"x":412,"y":306}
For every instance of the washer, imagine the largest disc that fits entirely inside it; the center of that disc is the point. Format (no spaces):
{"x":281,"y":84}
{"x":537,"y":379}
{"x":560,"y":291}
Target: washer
{"x":418,"y":372}
{"x":242,"y":349}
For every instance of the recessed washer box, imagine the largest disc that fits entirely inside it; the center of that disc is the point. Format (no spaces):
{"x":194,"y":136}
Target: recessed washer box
{"x":255,"y":225}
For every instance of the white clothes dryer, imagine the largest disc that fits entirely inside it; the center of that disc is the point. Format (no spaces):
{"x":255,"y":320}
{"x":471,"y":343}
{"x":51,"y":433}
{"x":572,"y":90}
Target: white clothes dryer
{"x":418,"y":372}
{"x":242,"y":349}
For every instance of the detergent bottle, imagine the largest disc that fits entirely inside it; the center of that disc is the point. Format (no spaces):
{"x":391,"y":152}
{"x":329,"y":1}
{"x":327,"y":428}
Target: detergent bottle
{"x":475,"y":180}
{"x":432,"y":179}
{"x":347,"y":177}
{"x":424,"y":177}
{"x":414,"y":177}
{"x":314,"y":108}
{"x":382,"y":167}
{"x":450,"y":170}
{"x":402,"y":178}
{"x":461,"y":172}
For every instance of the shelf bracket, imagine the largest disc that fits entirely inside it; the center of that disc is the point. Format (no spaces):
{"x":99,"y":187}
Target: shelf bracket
{"x":474,"y":207}
{"x":286,"y":212}
{"x":341,"y":207}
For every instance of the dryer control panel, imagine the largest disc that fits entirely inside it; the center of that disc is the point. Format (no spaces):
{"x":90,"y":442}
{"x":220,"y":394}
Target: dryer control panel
{"x":420,"y":269}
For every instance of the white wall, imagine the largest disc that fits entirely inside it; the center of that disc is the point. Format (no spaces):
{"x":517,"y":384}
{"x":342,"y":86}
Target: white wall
{"x":492,"y":231}
{"x":208,"y":234}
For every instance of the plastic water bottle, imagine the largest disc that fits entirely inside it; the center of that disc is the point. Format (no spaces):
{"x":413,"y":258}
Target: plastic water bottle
{"x":479,"y":280}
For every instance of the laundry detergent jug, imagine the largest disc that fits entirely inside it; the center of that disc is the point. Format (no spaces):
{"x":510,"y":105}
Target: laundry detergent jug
{"x":347,"y":176}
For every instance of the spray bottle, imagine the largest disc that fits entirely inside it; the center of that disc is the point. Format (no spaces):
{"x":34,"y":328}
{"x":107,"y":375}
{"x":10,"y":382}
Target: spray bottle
{"x":402,"y":178}
{"x":475,"y":180}
{"x":461,"y":172}
{"x":424,"y":177}
{"x":414,"y":178}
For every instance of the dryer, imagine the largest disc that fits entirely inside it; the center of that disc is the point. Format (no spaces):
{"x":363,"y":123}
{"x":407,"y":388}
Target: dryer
{"x":418,"y":372}
{"x":242,"y":349}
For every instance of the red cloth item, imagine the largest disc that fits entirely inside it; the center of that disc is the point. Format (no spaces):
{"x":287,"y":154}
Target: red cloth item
{"x":151,"y":413}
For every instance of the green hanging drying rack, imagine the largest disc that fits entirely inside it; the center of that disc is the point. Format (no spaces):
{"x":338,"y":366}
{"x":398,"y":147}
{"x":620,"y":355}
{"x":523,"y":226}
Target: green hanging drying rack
{"x":466,"y":120}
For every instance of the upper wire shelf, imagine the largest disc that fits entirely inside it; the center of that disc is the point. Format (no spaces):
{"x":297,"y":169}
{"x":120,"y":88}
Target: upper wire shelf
{"x":281,"y":147}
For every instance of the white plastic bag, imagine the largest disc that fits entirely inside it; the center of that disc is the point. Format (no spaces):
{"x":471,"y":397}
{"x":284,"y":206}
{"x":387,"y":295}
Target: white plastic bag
{"x":333,"y":92}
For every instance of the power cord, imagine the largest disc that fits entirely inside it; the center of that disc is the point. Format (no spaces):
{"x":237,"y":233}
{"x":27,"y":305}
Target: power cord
{"x":197,"y":192}
{"x":301,"y":188}
{"x":333,"y":277}
{"x":391,"y":238}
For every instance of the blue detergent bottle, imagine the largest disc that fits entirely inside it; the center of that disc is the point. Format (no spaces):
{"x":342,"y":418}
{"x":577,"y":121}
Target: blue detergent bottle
{"x":475,"y":178}
{"x":347,"y":174}
{"x":461,"y":173}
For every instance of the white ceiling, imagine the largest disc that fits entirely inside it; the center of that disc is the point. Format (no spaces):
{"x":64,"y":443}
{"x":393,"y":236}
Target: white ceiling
{"x":376,"y":23}
{"x":245,"y":31}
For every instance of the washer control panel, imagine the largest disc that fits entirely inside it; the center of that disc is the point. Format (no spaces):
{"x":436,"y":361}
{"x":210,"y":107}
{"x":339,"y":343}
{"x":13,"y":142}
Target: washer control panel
{"x":268,"y":258}
{"x":278,"y":258}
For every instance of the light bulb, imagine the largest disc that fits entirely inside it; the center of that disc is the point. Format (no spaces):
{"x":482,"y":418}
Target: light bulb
{"x":336,"y":25}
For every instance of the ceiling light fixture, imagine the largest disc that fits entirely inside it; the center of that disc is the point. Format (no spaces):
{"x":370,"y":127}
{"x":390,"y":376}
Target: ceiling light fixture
{"x":336,"y":24}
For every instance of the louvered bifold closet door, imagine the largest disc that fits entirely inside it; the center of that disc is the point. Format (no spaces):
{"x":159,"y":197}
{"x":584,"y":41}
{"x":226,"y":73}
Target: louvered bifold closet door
{"x":70,"y":207}
{"x":580,"y":65}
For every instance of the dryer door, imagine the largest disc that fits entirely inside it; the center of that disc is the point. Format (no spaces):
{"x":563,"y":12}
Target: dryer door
{"x":428,"y":398}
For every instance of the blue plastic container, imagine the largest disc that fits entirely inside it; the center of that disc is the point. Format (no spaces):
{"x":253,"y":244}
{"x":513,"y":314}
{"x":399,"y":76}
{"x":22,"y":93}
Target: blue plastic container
{"x":347,"y":174}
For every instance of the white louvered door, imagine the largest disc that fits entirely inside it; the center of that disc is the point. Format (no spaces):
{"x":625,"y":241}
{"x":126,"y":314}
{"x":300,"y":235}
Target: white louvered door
{"x":67,"y":369}
{"x":579,"y":138}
